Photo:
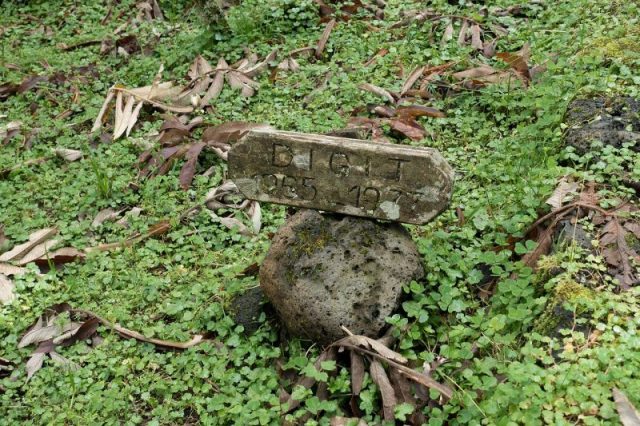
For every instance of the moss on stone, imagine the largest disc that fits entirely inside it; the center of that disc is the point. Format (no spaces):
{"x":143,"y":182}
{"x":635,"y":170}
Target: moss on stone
{"x":556,"y":316}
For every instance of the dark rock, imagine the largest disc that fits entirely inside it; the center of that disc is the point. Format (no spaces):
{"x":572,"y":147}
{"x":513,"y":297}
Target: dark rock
{"x":568,"y":233}
{"x":246,"y":308}
{"x":556,"y":320}
{"x":323,"y":271}
{"x":610,"y":121}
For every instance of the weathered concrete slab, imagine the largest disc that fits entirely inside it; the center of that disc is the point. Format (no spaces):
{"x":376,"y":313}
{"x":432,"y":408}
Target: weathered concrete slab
{"x":349,"y":176}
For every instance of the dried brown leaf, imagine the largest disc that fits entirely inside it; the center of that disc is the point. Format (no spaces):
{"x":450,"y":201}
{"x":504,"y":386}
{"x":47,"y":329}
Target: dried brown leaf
{"x":378,"y":91}
{"x":412,"y":78}
{"x":518,"y":63}
{"x":565,"y":187}
{"x":8,"y":270}
{"x":324,"y":38}
{"x":39,"y":334}
{"x":37,"y":252}
{"x":357,"y":372}
{"x":125,"y":119}
{"x":104,"y":215}
{"x":462,"y":36}
{"x":544,"y":242}
{"x":629,"y":415}
{"x":34,"y":239}
{"x":447,"y":35}
{"x":256,"y":69}
{"x":34,"y":364}
{"x":68,"y":154}
{"x":188,"y":170}
{"x":195,"y":340}
{"x":214,"y":89}
{"x":230,"y":131}
{"x":255,"y":215}
{"x":6,"y":289}
{"x":379,"y":377}
{"x":85,"y":331}
{"x":408,"y":128}
{"x":489,"y":48}
{"x":64,"y":362}
{"x":477,"y":72}
{"x":158,"y":229}
{"x":414,"y":111}
{"x":369,"y":343}
{"x":98,"y":121}
{"x":383,"y":111}
{"x":61,"y":256}
{"x":476,"y":39}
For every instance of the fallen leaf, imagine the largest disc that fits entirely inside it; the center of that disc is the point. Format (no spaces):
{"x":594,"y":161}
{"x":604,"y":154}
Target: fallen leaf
{"x":384,"y":111}
{"x":379,"y":377}
{"x":489,"y":48}
{"x":255,"y":214}
{"x":357,"y":372}
{"x":543,"y":246}
{"x":481,"y":71}
{"x":565,"y":187}
{"x":40,"y":334}
{"x":85,"y":331}
{"x":378,"y":91}
{"x":410,"y":129}
{"x":346,"y":421}
{"x":34,"y":364}
{"x":188,"y":170}
{"x":324,"y":38}
{"x":37,"y":252}
{"x":34,"y":239}
{"x":68,"y":154}
{"x":414,"y":111}
{"x":8,"y":270}
{"x":447,"y":35}
{"x":104,"y":215}
{"x":476,"y":40}
{"x":369,"y":343}
{"x":462,"y":36}
{"x":412,"y":78}
{"x":6,"y":290}
{"x":61,"y":256}
{"x":518,"y":63}
{"x":629,"y":415}
{"x":157,"y":229}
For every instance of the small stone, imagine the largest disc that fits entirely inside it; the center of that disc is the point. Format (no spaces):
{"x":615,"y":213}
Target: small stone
{"x":568,"y":233}
{"x":324,"y":271}
{"x":246,"y":308}
{"x":612,"y":121}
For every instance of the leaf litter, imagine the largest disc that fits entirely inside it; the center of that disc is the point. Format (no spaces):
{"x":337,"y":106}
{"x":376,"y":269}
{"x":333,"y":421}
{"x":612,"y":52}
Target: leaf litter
{"x":61,"y":325}
{"x":397,"y":383}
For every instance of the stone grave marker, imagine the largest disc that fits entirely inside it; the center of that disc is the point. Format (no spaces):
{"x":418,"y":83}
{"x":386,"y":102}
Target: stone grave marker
{"x":349,"y":176}
{"x":325,"y":271}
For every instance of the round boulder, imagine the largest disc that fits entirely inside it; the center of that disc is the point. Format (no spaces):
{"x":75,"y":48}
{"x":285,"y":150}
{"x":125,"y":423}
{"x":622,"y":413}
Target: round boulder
{"x":325,"y":271}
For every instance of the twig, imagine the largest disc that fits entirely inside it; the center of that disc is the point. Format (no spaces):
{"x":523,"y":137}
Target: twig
{"x":411,"y":374}
{"x":195,"y":340}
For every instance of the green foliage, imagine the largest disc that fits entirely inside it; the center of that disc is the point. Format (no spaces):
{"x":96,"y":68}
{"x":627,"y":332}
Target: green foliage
{"x":504,"y":142}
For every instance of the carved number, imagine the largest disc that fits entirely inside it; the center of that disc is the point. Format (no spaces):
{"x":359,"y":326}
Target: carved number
{"x":287,"y":186}
{"x":367,"y":198}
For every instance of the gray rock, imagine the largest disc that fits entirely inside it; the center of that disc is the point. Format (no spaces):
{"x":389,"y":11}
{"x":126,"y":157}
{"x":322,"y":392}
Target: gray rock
{"x":610,"y":121}
{"x":246,"y":308}
{"x":568,"y":233}
{"x":323,"y":271}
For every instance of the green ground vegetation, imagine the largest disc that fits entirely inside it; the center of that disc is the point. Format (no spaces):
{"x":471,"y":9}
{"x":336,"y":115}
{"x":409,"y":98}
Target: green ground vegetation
{"x":504,"y":141}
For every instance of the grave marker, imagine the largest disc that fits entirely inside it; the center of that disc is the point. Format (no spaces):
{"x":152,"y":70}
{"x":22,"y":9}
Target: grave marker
{"x":350,"y":176}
